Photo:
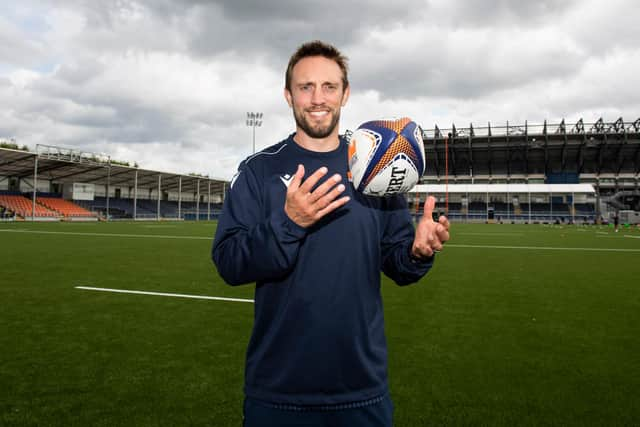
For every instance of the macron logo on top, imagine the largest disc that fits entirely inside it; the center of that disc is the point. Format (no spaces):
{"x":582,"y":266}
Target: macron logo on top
{"x":286,"y":179}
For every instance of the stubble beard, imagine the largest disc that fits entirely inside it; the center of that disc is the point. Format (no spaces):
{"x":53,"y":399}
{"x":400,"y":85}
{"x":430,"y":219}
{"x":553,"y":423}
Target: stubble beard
{"x":317,"y":131}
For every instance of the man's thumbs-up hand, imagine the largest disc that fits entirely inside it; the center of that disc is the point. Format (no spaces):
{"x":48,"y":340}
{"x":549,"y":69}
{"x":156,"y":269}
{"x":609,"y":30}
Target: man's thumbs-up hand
{"x":430,"y":235}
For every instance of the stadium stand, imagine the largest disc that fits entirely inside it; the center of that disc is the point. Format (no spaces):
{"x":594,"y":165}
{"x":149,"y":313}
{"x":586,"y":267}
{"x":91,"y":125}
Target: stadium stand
{"x":148,"y":209}
{"x":24,"y":207}
{"x":603,"y":154}
{"x":97,"y":184}
{"x":118,"y":208}
{"x":65,"y":207}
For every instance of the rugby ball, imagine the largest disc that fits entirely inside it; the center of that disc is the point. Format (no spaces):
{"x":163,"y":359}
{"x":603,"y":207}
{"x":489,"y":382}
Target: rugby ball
{"x":386,"y":157}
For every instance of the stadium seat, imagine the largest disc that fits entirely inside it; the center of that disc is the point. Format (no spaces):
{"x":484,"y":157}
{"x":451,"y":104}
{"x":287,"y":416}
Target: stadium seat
{"x":24,"y":207}
{"x":65,"y":207}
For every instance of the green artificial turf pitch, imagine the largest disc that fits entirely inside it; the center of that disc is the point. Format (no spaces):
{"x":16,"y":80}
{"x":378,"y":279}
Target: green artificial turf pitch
{"x":515,"y":325}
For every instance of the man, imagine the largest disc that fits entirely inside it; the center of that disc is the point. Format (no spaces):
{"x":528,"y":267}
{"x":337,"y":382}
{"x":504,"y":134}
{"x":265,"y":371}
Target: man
{"x":315,"y":248}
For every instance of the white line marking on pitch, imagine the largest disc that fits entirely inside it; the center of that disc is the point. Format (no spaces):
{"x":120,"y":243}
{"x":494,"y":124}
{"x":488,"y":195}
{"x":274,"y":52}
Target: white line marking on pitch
{"x":74,"y":233}
{"x":163,"y":294}
{"x":542,"y":248}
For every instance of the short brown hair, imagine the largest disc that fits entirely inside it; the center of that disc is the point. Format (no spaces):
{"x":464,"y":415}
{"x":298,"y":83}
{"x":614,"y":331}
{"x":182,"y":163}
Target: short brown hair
{"x":317,"y":48}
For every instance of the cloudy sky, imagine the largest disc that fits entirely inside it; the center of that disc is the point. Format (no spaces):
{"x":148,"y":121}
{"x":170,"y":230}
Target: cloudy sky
{"x":168,"y":83}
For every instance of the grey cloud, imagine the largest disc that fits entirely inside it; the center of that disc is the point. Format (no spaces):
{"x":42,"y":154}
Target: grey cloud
{"x":272,"y":31}
{"x":117,"y":121}
{"x":16,"y":49}
{"x":493,"y":13}
{"x":251,"y":28}
{"x":459,"y":71}
{"x":117,"y":117}
{"x":78,"y":73}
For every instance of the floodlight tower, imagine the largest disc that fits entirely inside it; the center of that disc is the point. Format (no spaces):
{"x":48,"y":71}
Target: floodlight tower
{"x":254,"y":120}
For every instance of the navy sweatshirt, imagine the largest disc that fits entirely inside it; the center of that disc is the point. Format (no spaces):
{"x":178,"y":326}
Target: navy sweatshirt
{"x":318,"y":335}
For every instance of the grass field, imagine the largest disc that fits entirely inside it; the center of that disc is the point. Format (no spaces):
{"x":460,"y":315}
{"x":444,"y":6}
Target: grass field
{"x":515,"y":325}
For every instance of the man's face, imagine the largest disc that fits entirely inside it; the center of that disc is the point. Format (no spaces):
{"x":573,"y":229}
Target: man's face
{"x":317,"y":95}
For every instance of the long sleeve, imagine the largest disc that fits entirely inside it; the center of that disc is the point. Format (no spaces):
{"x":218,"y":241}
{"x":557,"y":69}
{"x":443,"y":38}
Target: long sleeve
{"x":396,"y":245}
{"x":248,"y":245}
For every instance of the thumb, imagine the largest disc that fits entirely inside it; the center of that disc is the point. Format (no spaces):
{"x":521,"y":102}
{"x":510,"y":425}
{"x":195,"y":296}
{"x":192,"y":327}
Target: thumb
{"x":297,"y":178}
{"x":429,"y":205}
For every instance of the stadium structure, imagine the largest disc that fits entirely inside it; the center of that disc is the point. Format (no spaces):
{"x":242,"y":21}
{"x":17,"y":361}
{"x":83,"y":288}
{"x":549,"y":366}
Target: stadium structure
{"x":55,"y":183}
{"x":584,"y":172}
{"x":528,"y":173}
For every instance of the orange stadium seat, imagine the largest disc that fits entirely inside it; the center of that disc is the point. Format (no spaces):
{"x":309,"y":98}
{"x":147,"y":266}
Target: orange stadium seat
{"x":24,"y":207}
{"x":65,"y":207}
